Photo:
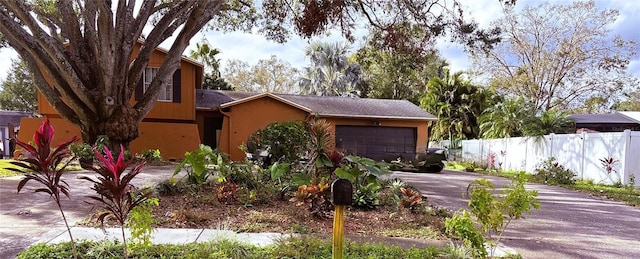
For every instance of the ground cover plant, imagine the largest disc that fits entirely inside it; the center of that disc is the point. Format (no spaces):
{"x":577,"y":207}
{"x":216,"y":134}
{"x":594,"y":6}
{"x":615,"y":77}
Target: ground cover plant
{"x":290,"y":248}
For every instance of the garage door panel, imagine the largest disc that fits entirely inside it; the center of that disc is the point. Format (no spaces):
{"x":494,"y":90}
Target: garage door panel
{"x":377,"y":142}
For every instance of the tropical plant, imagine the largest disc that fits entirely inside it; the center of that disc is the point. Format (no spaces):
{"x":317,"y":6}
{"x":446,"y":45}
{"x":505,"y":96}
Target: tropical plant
{"x":115,"y":193}
{"x":608,"y":163}
{"x":330,"y":73}
{"x":549,"y":121}
{"x":364,"y":173}
{"x":491,"y":212}
{"x":46,"y":166}
{"x":457,"y":103}
{"x":319,"y":147}
{"x":313,"y":195}
{"x":506,"y":118}
{"x":196,"y":164}
{"x":551,"y":171}
{"x":285,"y":142}
{"x":410,"y":199}
{"x":140,"y":223}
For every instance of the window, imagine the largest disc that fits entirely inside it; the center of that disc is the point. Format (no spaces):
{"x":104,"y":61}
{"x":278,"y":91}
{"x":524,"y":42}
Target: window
{"x":166,"y":94}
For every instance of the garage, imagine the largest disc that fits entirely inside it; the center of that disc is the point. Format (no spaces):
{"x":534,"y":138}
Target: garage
{"x":376,"y":142}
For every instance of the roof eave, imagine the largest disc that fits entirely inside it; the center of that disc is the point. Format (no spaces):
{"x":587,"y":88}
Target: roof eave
{"x":376,"y":117}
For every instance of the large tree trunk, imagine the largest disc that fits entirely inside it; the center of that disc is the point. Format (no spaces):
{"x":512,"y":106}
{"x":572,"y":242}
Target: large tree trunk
{"x":121,"y":128}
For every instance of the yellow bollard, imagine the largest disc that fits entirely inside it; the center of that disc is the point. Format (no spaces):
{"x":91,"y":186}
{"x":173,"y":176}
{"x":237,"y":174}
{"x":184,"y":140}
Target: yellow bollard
{"x":338,"y":232}
{"x":342,"y":193}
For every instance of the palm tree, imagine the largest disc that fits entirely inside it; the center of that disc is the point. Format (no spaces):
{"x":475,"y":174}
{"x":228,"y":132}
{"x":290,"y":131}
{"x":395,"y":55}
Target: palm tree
{"x":506,"y":118}
{"x":549,"y":121}
{"x":207,"y":55}
{"x":457,"y":103}
{"x":330,"y":73}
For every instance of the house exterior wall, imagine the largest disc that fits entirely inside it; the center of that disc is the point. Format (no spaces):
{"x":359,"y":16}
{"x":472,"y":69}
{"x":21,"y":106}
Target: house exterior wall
{"x":244,"y":119}
{"x":172,"y":139}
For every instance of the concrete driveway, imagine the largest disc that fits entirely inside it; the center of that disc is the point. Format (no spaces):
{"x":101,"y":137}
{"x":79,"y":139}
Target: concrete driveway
{"x":569,"y":224}
{"x":28,"y":217}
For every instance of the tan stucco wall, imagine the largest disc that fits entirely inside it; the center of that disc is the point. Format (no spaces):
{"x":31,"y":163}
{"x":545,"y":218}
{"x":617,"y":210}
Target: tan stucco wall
{"x":172,"y":139}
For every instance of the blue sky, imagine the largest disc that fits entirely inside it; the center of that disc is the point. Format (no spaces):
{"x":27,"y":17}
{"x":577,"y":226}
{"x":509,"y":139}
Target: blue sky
{"x":253,"y":47}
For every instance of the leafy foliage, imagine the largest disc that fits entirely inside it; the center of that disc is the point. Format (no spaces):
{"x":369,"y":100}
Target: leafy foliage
{"x":364,"y":174}
{"x":45,"y":166}
{"x":539,"y":38}
{"x":457,"y":103}
{"x":492,"y":213}
{"x":608,"y":164}
{"x":271,"y":75}
{"x":285,"y":141}
{"x":410,"y":198}
{"x":140,"y":223}
{"x":18,"y":91}
{"x":506,"y":118}
{"x":314,"y":196}
{"x":330,"y":73}
{"x":197,"y":164}
{"x":551,"y":171}
{"x":115,"y":193}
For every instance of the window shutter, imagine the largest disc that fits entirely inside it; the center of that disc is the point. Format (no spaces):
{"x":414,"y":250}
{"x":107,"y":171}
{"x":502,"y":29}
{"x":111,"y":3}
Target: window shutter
{"x":177,"y":86}
{"x":139,"y":89}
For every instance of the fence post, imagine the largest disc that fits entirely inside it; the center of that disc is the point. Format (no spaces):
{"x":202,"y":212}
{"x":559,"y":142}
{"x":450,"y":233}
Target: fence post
{"x":583,"y":137}
{"x":627,"y":156}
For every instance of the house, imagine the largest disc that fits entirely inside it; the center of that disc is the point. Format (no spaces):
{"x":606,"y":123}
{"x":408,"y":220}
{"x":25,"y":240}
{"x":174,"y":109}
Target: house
{"x":375,"y":128}
{"x":613,"y":122}
{"x":189,"y":116}
{"x":9,"y":125}
{"x":170,"y":125}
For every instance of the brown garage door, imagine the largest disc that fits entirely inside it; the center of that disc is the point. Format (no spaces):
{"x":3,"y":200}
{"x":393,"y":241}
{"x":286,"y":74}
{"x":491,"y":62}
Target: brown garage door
{"x":378,"y":143}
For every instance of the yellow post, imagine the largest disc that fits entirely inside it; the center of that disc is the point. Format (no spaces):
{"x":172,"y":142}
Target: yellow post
{"x":338,"y":232}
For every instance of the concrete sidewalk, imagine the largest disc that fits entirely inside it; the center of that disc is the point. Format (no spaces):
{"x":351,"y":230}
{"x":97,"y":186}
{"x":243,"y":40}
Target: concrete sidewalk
{"x":169,"y":236}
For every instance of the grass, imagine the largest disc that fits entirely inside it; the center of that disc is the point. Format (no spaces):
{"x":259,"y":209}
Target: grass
{"x":4,"y":163}
{"x":621,"y":193}
{"x":302,"y":247}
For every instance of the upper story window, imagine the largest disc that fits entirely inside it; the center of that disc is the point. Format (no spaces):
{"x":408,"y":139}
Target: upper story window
{"x":166,"y":93}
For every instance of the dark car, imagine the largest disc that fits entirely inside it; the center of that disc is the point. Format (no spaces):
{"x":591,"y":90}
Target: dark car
{"x":432,"y":161}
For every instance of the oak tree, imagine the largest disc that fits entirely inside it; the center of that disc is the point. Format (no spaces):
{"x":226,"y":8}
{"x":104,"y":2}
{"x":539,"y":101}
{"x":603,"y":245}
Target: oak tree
{"x":84,"y":48}
{"x":271,"y":75}
{"x":558,"y":55}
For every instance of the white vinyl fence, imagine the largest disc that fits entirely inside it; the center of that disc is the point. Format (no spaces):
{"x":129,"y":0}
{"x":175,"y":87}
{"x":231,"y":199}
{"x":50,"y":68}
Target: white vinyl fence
{"x":578,"y":152}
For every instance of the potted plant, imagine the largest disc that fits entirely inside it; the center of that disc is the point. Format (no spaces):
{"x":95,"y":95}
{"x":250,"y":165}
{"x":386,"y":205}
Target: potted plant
{"x":84,"y":152}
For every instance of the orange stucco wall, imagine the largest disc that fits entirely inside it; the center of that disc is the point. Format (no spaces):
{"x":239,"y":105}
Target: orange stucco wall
{"x":246,"y":118}
{"x":172,"y":139}
{"x":184,"y":110}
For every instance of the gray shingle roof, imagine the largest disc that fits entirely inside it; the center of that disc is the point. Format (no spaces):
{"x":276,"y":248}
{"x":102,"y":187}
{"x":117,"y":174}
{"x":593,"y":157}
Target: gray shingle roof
{"x":325,"y":105}
{"x":12,"y":117}
{"x":601,"y":118}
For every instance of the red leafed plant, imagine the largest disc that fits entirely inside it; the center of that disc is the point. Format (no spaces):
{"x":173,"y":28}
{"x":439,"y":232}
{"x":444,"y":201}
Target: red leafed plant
{"x":410,"y":199}
{"x":46,"y":166}
{"x":115,"y":193}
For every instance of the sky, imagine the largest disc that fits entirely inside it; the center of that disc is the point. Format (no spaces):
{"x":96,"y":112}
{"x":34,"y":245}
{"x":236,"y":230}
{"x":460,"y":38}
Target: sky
{"x":253,"y":47}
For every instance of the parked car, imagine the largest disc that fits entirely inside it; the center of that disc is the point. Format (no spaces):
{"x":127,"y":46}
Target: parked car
{"x":432,"y":161}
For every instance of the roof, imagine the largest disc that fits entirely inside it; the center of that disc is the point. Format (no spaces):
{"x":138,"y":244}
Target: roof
{"x":329,"y":106}
{"x":632,"y":115}
{"x":612,"y":118}
{"x":13,"y":117}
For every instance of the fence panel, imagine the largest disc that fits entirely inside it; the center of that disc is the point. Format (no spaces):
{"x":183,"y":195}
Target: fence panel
{"x":578,"y":152}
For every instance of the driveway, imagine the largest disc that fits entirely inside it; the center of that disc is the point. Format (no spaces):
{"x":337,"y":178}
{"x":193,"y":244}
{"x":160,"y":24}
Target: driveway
{"x":29,"y":217}
{"x":569,"y":224}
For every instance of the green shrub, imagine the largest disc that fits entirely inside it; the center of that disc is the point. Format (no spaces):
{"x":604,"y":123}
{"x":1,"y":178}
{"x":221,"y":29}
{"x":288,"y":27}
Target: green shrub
{"x":285,"y":141}
{"x":552,"y":172}
{"x":149,"y":156}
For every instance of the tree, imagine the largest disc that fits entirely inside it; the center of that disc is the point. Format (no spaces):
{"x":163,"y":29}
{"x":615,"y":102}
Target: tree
{"x":18,"y":90}
{"x":396,"y":75}
{"x":330,"y":72}
{"x":84,"y":49}
{"x":457,"y":103}
{"x":505,"y":118}
{"x":212,"y":76}
{"x":271,"y":75}
{"x":558,"y":55}
{"x":549,"y":121}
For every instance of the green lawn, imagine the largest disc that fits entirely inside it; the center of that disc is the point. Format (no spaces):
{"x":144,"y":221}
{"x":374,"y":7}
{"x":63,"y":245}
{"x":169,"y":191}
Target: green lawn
{"x":4,"y":163}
